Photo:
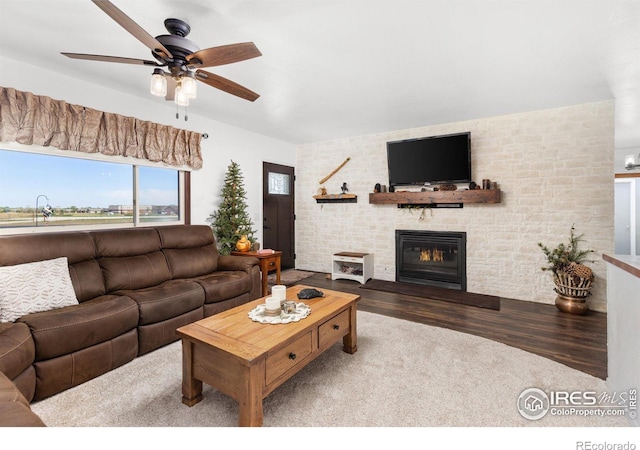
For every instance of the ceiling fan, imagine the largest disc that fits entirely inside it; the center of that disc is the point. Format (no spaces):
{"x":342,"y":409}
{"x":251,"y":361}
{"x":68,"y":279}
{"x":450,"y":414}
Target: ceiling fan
{"x":181,"y":57}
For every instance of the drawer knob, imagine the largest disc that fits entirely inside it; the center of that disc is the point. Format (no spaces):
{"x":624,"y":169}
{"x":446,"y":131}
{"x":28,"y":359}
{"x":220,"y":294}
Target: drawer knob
{"x":272,"y":263}
{"x":336,"y":327}
{"x":292,"y":356}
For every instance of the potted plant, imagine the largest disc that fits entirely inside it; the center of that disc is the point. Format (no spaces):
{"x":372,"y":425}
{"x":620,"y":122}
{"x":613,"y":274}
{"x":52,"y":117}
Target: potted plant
{"x":572,"y":278}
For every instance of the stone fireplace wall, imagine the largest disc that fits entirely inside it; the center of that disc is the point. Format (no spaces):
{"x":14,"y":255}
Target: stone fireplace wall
{"x":554,"y":167}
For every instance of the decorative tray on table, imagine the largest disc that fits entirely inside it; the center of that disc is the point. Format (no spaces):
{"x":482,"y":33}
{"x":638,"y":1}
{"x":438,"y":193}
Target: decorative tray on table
{"x":258,"y":314}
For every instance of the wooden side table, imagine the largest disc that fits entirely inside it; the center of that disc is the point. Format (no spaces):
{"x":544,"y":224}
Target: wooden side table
{"x":268,"y":262}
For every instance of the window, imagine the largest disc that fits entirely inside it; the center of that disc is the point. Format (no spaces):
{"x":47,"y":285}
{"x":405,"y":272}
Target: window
{"x":38,"y":190}
{"x":159,"y":198}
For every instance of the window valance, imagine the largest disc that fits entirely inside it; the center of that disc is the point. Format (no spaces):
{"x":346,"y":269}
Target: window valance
{"x":37,"y":120}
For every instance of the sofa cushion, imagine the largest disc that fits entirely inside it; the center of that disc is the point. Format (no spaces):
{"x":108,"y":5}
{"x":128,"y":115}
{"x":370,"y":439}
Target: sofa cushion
{"x":126,"y":242}
{"x":191,"y":262}
{"x":87,"y":280}
{"x":64,"y":372}
{"x":190,"y":250}
{"x":134,"y":272}
{"x":77,"y":247}
{"x":17,"y":350}
{"x":130,"y":258}
{"x":70,"y":329}
{"x":166,"y":301}
{"x":221,"y":286}
{"x":34,"y":287}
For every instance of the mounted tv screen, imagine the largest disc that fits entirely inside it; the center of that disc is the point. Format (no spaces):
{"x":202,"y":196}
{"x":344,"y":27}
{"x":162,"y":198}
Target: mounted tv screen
{"x":430,"y":160}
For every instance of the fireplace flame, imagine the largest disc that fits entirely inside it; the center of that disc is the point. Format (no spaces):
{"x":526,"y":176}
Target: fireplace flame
{"x":432,"y":255}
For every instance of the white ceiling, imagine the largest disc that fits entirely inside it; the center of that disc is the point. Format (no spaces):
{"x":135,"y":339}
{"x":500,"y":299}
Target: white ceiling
{"x":336,"y":68}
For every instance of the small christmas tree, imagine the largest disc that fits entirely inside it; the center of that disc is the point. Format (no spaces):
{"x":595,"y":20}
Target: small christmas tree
{"x":231,"y":221}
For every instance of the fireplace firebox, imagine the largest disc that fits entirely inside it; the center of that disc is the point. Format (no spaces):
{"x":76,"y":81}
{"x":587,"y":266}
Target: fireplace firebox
{"x":435,"y":258}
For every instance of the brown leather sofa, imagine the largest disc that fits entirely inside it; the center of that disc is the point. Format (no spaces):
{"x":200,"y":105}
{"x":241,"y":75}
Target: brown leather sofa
{"x":134,"y":286}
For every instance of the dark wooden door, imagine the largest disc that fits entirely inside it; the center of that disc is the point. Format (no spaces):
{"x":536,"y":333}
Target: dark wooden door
{"x":278,"y":210}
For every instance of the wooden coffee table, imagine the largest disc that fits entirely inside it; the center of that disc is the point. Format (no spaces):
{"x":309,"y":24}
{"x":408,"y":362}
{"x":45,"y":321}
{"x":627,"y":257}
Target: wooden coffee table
{"x":247,"y":360}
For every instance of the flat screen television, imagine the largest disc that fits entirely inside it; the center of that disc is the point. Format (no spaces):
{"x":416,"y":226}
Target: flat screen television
{"x":444,"y":159}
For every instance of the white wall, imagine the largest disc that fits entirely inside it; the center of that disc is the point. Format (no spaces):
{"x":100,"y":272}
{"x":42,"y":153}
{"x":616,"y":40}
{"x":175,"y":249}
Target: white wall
{"x":555,"y":168}
{"x":225,"y":142}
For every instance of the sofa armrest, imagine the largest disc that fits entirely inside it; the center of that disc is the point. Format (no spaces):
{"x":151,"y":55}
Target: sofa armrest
{"x":232,"y":262}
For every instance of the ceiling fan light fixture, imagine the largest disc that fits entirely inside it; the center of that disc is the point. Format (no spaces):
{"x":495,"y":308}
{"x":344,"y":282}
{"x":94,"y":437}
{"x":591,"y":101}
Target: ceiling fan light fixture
{"x":180,"y":97}
{"x":180,"y":57}
{"x":189,"y":85}
{"x":158,"y":86}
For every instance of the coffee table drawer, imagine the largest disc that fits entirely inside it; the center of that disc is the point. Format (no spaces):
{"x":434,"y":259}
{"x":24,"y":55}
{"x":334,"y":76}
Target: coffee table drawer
{"x":284,"y":359}
{"x":333,"y":329}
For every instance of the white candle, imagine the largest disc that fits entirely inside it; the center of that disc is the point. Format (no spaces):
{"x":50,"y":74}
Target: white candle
{"x":272,"y":303}
{"x":279,"y":292}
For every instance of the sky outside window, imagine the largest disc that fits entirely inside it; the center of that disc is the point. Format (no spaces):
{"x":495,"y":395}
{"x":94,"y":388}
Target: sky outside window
{"x":79,"y":182}
{"x":65,"y":181}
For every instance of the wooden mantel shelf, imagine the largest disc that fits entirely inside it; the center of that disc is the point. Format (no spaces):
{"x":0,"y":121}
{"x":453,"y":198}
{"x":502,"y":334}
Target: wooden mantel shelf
{"x":435,"y":197}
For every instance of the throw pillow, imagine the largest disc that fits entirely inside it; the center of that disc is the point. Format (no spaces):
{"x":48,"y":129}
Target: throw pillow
{"x":35,"y":287}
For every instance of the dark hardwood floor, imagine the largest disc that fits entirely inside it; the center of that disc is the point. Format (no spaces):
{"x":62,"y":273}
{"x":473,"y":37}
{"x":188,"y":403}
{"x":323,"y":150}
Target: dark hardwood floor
{"x":579,"y":342}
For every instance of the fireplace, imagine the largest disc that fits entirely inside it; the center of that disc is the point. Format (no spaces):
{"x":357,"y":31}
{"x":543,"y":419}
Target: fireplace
{"x":435,"y":258}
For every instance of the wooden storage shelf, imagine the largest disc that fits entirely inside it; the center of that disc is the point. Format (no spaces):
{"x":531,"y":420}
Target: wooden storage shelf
{"x":336,"y":198}
{"x":435,"y":197}
{"x":352,"y":266}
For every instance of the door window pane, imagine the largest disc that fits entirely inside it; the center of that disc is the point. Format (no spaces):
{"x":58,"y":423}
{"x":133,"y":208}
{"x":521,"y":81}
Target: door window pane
{"x":159,"y":196}
{"x":279,"y":183}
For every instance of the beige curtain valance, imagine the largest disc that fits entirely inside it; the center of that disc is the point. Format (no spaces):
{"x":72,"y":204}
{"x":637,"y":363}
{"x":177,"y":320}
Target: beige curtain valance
{"x":37,"y":120}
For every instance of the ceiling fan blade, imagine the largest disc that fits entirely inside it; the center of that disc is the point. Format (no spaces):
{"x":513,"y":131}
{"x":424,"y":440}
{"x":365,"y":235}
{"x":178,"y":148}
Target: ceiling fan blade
{"x":225,"y":85}
{"x":224,"y":54}
{"x":116,"y":59}
{"x":136,"y":30}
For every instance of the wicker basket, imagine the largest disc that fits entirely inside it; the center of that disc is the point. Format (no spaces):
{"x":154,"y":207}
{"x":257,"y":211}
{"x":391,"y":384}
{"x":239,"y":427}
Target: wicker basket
{"x":571,"y":285}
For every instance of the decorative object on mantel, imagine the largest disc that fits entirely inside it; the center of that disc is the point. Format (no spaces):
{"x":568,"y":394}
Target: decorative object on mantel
{"x":323,"y":197}
{"x":630,"y":162}
{"x":446,"y":187}
{"x":379,"y":188}
{"x":325,"y":179}
{"x":571,"y":277}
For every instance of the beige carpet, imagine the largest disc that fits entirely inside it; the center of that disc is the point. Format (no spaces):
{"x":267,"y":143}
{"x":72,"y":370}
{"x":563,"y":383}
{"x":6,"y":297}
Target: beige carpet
{"x":404,"y":374}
